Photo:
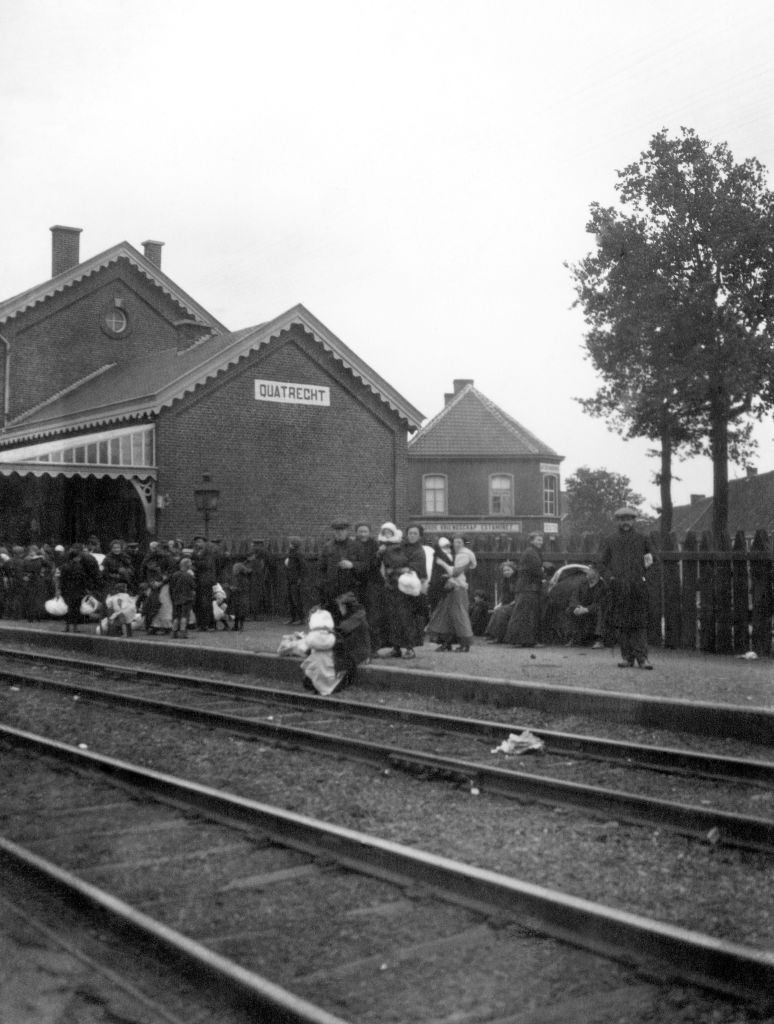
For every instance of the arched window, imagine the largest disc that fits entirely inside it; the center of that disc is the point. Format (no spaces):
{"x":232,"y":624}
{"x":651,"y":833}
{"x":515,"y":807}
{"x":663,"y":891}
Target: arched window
{"x":434,"y":496}
{"x":501,"y":495}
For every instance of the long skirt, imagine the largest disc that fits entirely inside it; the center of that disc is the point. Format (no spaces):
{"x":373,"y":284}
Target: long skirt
{"x":524,"y":623}
{"x":401,"y":627}
{"x":162,"y":619}
{"x":451,"y":617}
{"x":498,"y":622}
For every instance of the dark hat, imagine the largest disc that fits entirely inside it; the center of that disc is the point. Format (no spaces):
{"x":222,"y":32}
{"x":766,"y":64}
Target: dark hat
{"x":346,"y":598}
{"x":198,"y":537}
{"x":627,"y":512}
{"x":340,"y":524}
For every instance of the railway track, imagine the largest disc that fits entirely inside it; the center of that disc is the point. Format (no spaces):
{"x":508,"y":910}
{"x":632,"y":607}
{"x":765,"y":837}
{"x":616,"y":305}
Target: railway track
{"x":257,"y":711}
{"x":689,"y":717}
{"x":346,"y":926}
{"x":627,"y":753}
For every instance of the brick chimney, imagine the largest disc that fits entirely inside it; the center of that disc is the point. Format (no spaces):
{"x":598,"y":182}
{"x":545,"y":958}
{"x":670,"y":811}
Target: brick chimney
{"x":447,"y":398}
{"x":152,"y":252}
{"x":460,"y":384}
{"x":751,"y":471}
{"x":65,"y":248}
{"x":696,"y":498}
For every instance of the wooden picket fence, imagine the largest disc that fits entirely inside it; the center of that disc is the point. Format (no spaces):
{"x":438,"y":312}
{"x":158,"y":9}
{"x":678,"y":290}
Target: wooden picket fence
{"x":718,"y":602}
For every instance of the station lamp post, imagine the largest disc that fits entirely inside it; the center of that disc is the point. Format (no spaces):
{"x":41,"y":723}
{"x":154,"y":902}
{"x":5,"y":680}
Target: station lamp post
{"x":206,"y":497}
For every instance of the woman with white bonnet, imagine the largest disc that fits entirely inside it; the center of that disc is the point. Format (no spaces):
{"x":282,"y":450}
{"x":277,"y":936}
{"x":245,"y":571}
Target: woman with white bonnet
{"x":395,"y":561}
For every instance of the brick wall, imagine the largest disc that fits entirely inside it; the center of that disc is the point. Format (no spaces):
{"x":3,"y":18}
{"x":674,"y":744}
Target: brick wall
{"x":281,"y":469}
{"x":60,"y":341}
{"x":468,"y":484}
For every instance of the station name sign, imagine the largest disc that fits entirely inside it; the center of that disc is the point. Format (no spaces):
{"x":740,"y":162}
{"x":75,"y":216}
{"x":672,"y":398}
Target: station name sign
{"x":291,"y":394}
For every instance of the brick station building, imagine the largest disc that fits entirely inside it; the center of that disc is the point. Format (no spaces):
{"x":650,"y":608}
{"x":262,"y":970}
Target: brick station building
{"x":121,"y":395}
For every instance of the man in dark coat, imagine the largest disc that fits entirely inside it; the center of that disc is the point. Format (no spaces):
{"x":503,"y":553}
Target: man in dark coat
{"x":296,"y":573}
{"x":370,"y":584}
{"x":623,"y":561}
{"x":203,"y":561}
{"x":339,"y":566}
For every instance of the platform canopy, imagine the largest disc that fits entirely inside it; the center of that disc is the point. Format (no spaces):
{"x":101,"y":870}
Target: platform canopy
{"x":126,"y":452}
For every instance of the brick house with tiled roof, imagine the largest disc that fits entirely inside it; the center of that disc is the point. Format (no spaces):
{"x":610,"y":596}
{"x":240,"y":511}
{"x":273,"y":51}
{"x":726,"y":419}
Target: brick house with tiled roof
{"x":473,"y":468}
{"x":750,"y":508}
{"x":121,"y":393}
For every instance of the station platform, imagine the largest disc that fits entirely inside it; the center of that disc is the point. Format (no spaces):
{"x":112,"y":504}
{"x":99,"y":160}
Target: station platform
{"x":681,"y":675}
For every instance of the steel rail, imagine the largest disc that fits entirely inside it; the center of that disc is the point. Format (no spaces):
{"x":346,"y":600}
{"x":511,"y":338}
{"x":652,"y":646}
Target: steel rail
{"x":752,"y":724}
{"x":274,"y":1003}
{"x":652,"y":946}
{"x":662,"y":759}
{"x":700,"y":823}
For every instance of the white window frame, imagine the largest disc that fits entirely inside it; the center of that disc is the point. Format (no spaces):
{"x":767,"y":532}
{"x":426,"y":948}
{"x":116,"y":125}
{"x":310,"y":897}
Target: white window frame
{"x":550,"y":494}
{"x":492,"y":495}
{"x":443,"y":491}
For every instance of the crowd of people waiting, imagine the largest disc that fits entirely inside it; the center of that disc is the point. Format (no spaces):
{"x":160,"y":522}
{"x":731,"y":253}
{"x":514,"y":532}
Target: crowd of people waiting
{"x":165,"y":588}
{"x":397,"y":589}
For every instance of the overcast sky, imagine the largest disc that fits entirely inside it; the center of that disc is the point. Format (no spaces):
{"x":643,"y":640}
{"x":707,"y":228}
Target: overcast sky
{"x":415,"y":173}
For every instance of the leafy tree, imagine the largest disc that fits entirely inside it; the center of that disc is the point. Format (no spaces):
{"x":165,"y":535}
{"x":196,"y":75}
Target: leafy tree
{"x":679,"y":299}
{"x":593,"y":495}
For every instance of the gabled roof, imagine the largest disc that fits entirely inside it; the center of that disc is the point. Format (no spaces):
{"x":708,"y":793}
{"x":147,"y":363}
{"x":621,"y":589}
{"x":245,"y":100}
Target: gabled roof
{"x":750,"y":508}
{"x":696,"y":517}
{"x":142,"y":387}
{"x":26,"y":300}
{"x":471,"y":425}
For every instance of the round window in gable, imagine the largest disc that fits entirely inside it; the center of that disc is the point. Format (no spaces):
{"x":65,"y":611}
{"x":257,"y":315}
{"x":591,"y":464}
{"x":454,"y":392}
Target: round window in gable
{"x":114,"y":320}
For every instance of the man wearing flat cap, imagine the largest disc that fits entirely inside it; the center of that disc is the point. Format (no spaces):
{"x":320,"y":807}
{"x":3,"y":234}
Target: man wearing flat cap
{"x":339,"y":566}
{"x":623,"y":561}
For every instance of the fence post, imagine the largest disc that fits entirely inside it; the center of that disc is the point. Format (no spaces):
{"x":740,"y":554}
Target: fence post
{"x":740,"y":586}
{"x":723,"y":603}
{"x":706,"y":596}
{"x":761,"y":594}
{"x":670,"y":569}
{"x":689,"y":591}
{"x":654,"y":577}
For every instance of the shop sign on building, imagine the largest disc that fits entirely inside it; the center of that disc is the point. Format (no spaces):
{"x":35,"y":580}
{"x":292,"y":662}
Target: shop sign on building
{"x":291,"y":394}
{"x":473,"y":527}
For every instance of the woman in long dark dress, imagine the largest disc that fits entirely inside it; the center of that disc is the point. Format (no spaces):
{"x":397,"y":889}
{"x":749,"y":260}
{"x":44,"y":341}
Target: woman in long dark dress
{"x":395,"y":559}
{"x":77,"y":577}
{"x":524,"y":624}
{"x":506,"y":595}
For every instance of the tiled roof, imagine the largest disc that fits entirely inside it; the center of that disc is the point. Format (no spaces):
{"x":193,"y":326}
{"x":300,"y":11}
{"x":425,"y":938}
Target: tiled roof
{"x":143,"y":386}
{"x":750,"y":508}
{"x":472,"y":425}
{"x":26,"y":300}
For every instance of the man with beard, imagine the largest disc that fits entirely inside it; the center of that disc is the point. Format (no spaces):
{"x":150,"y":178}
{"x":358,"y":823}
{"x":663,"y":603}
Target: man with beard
{"x":623,"y":561}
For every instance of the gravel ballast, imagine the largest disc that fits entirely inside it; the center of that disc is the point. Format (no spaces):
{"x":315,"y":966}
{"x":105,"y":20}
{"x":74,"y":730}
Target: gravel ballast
{"x":648,"y":871}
